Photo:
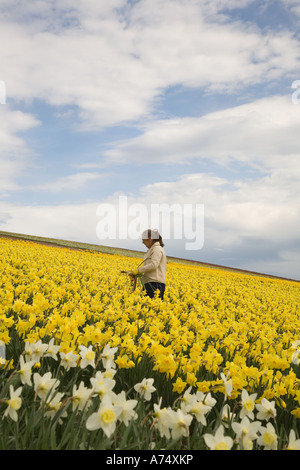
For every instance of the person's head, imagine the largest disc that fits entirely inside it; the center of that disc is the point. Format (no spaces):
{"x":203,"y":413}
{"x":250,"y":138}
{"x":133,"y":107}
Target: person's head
{"x":150,"y":236}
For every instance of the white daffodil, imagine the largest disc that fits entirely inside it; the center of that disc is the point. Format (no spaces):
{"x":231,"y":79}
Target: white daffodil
{"x":101,"y":384}
{"x":81,"y":396}
{"x":25,"y":371}
{"x":34,"y":351}
{"x":187,"y":399}
{"x":226,"y":415}
{"x":296,"y":357}
{"x":218,"y":441}
{"x":268,"y":438}
{"x":199,"y":410}
{"x":208,"y":400}
{"x":179,"y":423}
{"x":14,"y":403}
{"x":69,"y":359}
{"x":87,"y":356}
{"x":106,"y":417}
{"x":294,"y":443}
{"x":53,"y":405}
{"x":127,"y":413}
{"x":109,"y":373}
{"x":107,"y":357}
{"x":227,"y":384}
{"x":162,"y":419}
{"x":196,"y":407}
{"x":246,"y":432}
{"x":296,"y":354}
{"x":45,"y":384}
{"x":52,"y":350}
{"x":266,"y":409}
{"x":145,"y":388}
{"x":248,"y":404}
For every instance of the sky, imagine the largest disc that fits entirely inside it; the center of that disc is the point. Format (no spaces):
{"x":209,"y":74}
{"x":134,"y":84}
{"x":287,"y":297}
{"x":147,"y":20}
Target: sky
{"x":174,"y":104}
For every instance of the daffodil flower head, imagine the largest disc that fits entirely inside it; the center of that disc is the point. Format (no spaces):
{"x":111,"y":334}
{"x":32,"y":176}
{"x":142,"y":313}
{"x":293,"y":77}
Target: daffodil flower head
{"x":207,"y":399}
{"x":226,"y":415}
{"x":69,"y":359}
{"x":246,"y":431}
{"x":266,"y":409}
{"x":145,"y":388}
{"x":128,"y":413}
{"x":87,"y":356}
{"x":179,"y":423}
{"x":218,"y":441}
{"x":268,"y":438}
{"x":53,"y":404}
{"x":34,"y":351}
{"x":102,"y":385}
{"x":296,"y":357}
{"x":187,"y":396}
{"x":14,"y":403}
{"x":294,"y":443}
{"x":227,"y":384}
{"x":106,"y":417}
{"x":248,"y":404}
{"x":25,"y":371}
{"x":52,"y":350}
{"x":44,"y":385}
{"x":81,"y":396}
{"x":162,"y":419}
{"x":107,"y":355}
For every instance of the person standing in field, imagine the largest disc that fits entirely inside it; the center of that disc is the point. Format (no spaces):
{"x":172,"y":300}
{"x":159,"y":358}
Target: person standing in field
{"x":154,"y":267}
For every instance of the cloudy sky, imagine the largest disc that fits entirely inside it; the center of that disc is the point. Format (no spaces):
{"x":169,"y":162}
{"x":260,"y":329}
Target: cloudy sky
{"x":173,"y":103}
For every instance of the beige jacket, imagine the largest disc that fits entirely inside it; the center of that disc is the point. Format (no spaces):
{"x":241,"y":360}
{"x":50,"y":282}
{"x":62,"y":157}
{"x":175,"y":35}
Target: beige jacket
{"x":154,"y":266}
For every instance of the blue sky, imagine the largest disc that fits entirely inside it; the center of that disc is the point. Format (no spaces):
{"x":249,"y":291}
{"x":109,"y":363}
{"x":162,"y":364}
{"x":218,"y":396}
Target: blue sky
{"x":164,"y":102}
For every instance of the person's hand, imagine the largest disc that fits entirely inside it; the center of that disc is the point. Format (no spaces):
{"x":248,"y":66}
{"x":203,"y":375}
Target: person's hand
{"x":132,"y":273}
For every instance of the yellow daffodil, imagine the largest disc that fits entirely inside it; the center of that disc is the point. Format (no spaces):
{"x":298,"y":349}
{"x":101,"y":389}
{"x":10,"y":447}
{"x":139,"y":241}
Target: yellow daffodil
{"x":216,"y":331}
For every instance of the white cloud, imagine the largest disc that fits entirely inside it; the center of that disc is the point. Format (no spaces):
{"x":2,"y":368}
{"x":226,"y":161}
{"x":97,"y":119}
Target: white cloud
{"x":261,"y":208}
{"x":293,"y":5}
{"x":68,"y":222}
{"x":72,"y":182}
{"x":184,"y":47}
{"x":261,"y":134}
{"x":12,"y":123}
{"x":15,"y":155}
{"x":112,"y":61}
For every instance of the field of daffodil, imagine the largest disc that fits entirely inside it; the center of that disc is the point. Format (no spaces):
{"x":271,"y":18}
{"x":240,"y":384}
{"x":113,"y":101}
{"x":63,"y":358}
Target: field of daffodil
{"x":86,"y":363}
